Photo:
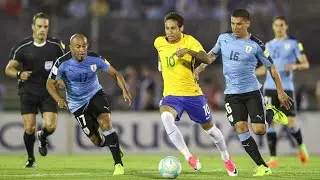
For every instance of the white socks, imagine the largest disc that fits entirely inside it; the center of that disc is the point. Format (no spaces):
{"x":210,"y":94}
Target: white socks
{"x":218,"y":140}
{"x":177,"y":138}
{"x":175,"y":134}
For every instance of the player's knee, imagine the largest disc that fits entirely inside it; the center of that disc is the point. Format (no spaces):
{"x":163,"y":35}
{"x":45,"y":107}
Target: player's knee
{"x":207,"y":126}
{"x":51,"y":127}
{"x":30,"y":129}
{"x":292,"y":122}
{"x":104,"y":121}
{"x":259,"y":129}
{"x":241,"y":127}
{"x":168,"y":122}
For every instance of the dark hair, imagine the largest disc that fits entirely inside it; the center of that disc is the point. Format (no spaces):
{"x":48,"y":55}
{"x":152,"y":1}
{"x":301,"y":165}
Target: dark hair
{"x":283,"y":18}
{"x":176,"y":17}
{"x":241,"y":13}
{"x":39,"y":15}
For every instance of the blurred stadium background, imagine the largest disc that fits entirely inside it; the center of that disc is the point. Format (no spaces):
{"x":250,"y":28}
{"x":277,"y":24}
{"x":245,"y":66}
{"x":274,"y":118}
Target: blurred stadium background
{"x":123,"y":31}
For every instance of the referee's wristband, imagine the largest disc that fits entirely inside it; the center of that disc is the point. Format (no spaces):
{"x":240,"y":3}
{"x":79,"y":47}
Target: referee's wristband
{"x":18,"y":74}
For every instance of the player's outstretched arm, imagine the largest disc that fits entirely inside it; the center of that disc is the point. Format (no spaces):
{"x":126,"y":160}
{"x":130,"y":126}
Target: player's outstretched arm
{"x":52,"y":89}
{"x":12,"y":70}
{"x":200,"y":56}
{"x":121,"y":83}
{"x":285,"y":100}
{"x":202,"y":66}
{"x":261,"y":71}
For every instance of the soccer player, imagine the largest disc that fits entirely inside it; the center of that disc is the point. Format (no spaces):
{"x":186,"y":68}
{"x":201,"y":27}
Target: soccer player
{"x":240,"y":53}
{"x":284,"y":50}
{"x":85,"y":97}
{"x":30,"y":62}
{"x":177,"y":54}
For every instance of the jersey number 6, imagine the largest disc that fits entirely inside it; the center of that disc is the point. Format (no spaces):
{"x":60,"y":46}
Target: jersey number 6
{"x":229,"y":111}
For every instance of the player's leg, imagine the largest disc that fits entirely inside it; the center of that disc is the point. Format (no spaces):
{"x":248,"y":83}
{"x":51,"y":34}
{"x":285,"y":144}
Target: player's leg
{"x":295,"y":130}
{"x":99,"y":106}
{"x":171,"y":109}
{"x":211,"y":129}
{"x":89,"y":125}
{"x":49,"y":109}
{"x":29,"y":137}
{"x":237,"y":112}
{"x":28,"y":112}
{"x":199,"y":111}
{"x":271,"y":97}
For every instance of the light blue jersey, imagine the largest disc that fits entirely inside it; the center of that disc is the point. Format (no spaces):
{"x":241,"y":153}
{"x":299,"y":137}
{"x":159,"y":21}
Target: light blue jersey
{"x":283,"y":52}
{"x":80,"y":78}
{"x":239,"y":58}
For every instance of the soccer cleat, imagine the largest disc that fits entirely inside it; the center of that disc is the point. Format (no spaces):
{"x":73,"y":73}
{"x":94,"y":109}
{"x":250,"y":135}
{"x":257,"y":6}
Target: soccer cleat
{"x":195,"y":163}
{"x":273,"y":162}
{"x":30,"y":163}
{"x":262,"y":171}
{"x":303,"y":154}
{"x":43,"y":143}
{"x":231,"y":168}
{"x":278,"y":116}
{"x":118,"y":169}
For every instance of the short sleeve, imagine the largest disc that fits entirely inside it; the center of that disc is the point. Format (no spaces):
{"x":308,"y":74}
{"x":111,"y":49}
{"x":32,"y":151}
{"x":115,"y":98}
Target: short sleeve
{"x":16,"y":53}
{"x":298,"y":49}
{"x":263,"y":55}
{"x":103,"y":64}
{"x":217,"y":47}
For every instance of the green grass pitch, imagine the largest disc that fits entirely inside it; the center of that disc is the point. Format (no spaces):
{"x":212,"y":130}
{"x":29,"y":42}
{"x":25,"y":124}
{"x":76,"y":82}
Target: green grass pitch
{"x":146,"y":167}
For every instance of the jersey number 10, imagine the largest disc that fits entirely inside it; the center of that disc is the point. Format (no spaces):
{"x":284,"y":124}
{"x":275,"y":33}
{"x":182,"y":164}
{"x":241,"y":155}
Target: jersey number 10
{"x":170,"y":61}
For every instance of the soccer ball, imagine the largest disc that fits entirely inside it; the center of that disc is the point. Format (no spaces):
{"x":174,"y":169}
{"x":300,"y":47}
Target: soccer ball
{"x":169,"y":167}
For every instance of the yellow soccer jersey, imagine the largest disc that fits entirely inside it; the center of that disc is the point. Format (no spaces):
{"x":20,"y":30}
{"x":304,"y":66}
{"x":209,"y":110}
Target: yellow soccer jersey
{"x":177,"y":72}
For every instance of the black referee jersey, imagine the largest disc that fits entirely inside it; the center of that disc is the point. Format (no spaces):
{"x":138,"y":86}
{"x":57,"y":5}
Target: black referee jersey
{"x":38,"y":58}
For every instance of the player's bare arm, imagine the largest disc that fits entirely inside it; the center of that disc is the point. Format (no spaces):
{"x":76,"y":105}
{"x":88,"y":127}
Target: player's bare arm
{"x":303,"y":64}
{"x":200,"y":56}
{"x":285,"y":100}
{"x":121,"y":83}
{"x":202,"y":66}
{"x":52,"y":89}
{"x":12,"y":70}
{"x":261,"y":71}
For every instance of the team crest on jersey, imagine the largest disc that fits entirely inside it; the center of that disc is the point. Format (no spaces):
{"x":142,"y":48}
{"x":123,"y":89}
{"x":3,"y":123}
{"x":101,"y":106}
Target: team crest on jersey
{"x":48,"y":65}
{"x":93,"y":67}
{"x":248,"y":49}
{"x":287,"y":46}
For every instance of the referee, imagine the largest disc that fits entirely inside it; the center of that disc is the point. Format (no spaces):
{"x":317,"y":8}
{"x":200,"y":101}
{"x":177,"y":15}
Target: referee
{"x":30,"y":62}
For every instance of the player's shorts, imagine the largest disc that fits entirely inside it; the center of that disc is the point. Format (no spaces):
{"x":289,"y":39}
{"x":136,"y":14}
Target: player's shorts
{"x":31,"y":103}
{"x":271,"y":97}
{"x":87,"y":114}
{"x":239,"y":106}
{"x":196,"y":107}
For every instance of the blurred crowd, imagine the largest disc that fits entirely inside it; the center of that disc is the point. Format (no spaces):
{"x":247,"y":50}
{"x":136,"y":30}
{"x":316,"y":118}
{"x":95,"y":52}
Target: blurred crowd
{"x":149,"y":9}
{"x":145,"y":86}
{"x":145,"y":83}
